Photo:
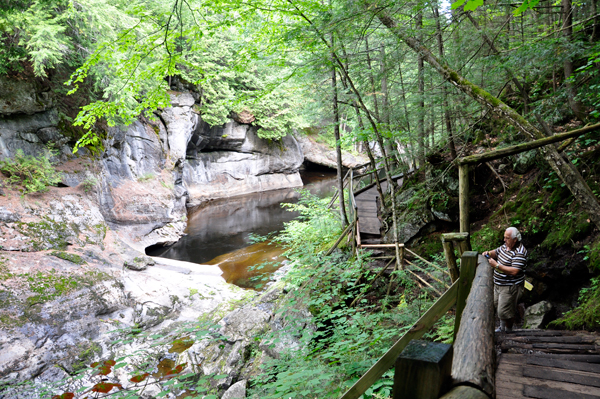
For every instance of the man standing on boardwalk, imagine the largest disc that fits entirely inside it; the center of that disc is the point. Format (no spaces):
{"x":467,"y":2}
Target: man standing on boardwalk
{"x":509,"y":262}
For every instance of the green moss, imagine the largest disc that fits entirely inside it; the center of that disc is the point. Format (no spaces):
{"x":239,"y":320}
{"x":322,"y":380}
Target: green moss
{"x":46,"y":234}
{"x":87,"y":352}
{"x":70,"y":257}
{"x":48,"y":286}
{"x":594,"y":255}
{"x":5,"y":274}
{"x":7,"y":320}
{"x":430,"y":246}
{"x":566,"y":229}
{"x":486,"y":238}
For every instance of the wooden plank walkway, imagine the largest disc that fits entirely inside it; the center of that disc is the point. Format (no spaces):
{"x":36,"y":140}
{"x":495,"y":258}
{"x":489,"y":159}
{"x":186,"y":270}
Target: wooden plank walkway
{"x":366,"y":201}
{"x":548,"y":364}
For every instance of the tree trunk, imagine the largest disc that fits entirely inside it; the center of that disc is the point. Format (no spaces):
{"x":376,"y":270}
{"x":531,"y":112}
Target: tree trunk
{"x":564,"y":169}
{"x":447,"y":118}
{"x":421,"y":95}
{"x":595,"y":32}
{"x":338,"y":148}
{"x":576,"y":106}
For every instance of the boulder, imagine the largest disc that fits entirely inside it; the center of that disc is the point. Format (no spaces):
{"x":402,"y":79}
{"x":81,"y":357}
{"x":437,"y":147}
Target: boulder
{"x":181,"y":99}
{"x":132,"y":152}
{"x":538,"y":315}
{"x":236,"y":391}
{"x":414,"y":215}
{"x":181,"y":123}
{"x":136,"y":196}
{"x":323,"y":155}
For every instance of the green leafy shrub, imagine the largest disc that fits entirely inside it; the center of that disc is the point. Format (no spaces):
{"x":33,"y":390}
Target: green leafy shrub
{"x":584,"y":316}
{"x":35,"y":174}
{"x":89,"y":183}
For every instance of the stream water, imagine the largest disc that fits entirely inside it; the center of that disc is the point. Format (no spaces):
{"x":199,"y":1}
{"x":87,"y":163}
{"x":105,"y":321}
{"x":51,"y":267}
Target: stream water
{"x":219,"y":231}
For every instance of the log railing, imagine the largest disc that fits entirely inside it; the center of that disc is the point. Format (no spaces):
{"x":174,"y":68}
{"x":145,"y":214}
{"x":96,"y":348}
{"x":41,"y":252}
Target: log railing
{"x":473,"y":359}
{"x":454,"y":295}
{"x":463,"y":165}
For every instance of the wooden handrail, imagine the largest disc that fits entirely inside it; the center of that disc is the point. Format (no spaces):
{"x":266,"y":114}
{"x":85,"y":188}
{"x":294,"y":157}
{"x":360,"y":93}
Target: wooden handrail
{"x":437,"y":310}
{"x":429,"y":263}
{"x":463,"y":165}
{"x":515,"y":149}
{"x":473,"y":361}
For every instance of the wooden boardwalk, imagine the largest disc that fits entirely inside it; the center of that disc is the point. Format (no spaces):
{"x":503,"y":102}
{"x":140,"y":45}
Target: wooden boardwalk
{"x":368,"y":209}
{"x":548,"y":364}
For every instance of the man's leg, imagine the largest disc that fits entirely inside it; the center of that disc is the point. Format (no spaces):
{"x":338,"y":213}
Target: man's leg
{"x":497,"y":291}
{"x":506,"y":307}
{"x":515,"y":293}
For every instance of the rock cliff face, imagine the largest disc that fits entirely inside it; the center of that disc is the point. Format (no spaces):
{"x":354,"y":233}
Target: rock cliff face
{"x":150,"y":170}
{"x":72,"y":265}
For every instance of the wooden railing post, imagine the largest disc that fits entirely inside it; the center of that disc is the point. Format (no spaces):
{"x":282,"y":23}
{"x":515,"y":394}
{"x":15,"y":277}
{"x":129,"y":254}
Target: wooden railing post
{"x":463,"y":197}
{"x":468,"y":264}
{"x":422,"y":370}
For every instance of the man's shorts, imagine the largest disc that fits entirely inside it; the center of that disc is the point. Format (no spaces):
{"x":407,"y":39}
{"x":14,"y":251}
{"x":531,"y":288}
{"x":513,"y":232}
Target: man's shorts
{"x":506,"y":298}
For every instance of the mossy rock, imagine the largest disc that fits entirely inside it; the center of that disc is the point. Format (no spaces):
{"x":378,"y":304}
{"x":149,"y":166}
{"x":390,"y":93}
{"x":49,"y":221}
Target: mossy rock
{"x":74,"y":258}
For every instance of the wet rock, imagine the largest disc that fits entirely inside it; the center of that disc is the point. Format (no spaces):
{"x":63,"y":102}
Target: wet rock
{"x":538,"y":315}
{"x":236,"y":391}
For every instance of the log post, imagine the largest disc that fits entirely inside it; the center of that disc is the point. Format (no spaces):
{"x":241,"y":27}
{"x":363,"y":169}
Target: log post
{"x":463,"y":197}
{"x":465,"y":392}
{"x":448,"y":244}
{"x":402,"y":257}
{"x":422,"y":370}
{"x":468,"y":264}
{"x":473,"y":360}
{"x":465,"y":245}
{"x":450,"y":260}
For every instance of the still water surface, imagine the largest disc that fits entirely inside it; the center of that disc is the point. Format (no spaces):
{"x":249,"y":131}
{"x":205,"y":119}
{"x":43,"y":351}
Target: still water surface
{"x":218,"y":232}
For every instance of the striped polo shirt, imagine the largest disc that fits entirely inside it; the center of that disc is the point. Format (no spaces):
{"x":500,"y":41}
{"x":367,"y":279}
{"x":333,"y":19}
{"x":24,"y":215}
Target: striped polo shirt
{"x":515,"y":258}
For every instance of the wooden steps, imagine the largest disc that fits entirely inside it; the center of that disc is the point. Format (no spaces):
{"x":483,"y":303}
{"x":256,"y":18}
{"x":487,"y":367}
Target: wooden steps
{"x":548,"y":365}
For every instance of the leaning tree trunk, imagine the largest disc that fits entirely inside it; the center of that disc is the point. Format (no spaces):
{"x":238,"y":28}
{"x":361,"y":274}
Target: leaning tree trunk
{"x":564,"y":169}
{"x":338,"y":148}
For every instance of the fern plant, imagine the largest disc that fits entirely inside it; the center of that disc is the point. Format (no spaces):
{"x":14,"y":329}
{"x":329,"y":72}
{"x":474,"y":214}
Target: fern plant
{"x":35,"y":174}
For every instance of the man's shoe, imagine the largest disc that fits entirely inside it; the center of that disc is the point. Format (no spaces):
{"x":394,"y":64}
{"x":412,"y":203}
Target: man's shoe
{"x":499,"y":330}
